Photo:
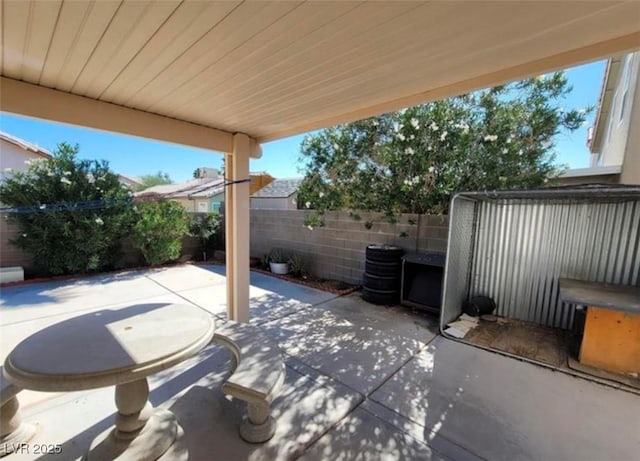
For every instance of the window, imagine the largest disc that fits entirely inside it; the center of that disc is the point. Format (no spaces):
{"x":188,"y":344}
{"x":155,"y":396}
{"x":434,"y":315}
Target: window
{"x":626,"y":83}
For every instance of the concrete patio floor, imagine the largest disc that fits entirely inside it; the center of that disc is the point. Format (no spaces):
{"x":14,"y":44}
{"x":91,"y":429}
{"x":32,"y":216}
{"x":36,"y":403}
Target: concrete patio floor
{"x":362,"y":381}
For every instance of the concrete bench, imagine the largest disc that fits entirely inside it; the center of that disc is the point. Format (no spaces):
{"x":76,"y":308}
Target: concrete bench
{"x":13,"y":432}
{"x":258,"y":375}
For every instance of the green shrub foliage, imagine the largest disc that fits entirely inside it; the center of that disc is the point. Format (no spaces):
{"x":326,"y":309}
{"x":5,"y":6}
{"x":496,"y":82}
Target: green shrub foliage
{"x":208,"y":229}
{"x":159,"y":229}
{"x":72,"y":213}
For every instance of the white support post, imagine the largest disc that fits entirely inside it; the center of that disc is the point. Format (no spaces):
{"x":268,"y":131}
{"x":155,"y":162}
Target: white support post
{"x":237,"y":201}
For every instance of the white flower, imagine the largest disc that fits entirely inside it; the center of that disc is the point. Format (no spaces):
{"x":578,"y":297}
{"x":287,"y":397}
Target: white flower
{"x":310,"y":227}
{"x":443,"y":136}
{"x":91,"y":178}
{"x":429,"y":148}
{"x":27,"y":162}
{"x":400,"y":136}
{"x":490,"y":137}
{"x":509,"y":140}
{"x":412,"y":137}
{"x":415,"y":123}
{"x":67,"y":173}
{"x":64,"y":180}
{"x":375,"y":122}
{"x":520,"y":152}
{"x":409,"y":151}
{"x":431,"y":169}
{"x":502,"y":178}
{"x":505,"y":150}
{"x":42,"y":207}
{"x":434,"y":127}
{"x":50,"y":173}
{"x":99,"y":221}
{"x":336,"y":146}
{"x":321,"y":194}
{"x":308,"y":204}
{"x":403,"y":111}
{"x":24,"y":235}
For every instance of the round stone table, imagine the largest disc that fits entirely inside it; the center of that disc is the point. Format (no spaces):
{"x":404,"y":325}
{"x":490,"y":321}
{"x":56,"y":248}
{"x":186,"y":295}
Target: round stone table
{"x":116,"y":348}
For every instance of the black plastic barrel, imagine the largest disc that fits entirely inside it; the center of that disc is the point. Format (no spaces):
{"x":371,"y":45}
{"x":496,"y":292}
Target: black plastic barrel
{"x":382,"y":273}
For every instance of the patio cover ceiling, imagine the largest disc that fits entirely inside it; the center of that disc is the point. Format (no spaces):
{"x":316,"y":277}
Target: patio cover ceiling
{"x":196,"y":72}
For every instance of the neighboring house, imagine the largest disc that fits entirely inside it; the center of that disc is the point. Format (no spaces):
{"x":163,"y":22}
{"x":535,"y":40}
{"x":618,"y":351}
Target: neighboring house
{"x":129,"y":181}
{"x":199,"y":195}
{"x":16,"y":153}
{"x":204,"y":193}
{"x":281,"y":194}
{"x":614,"y":140}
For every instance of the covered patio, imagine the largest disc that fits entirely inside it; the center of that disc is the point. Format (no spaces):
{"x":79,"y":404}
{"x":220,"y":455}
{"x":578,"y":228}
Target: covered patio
{"x":362,"y":381}
{"x":227,"y":76}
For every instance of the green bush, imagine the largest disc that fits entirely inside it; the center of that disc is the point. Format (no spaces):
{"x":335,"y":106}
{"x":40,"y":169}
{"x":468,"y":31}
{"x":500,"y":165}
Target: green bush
{"x":207,"y":229}
{"x":159,"y":230}
{"x":71,"y":213}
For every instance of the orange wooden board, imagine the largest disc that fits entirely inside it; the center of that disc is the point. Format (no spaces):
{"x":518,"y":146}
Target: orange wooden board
{"x":611,"y":340}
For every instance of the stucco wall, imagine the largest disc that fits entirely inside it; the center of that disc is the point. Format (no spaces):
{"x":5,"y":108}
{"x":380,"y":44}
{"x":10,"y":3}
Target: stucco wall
{"x":14,"y":157}
{"x":337,"y":250}
{"x":268,"y":203}
{"x":615,"y":145}
{"x":631,"y":166}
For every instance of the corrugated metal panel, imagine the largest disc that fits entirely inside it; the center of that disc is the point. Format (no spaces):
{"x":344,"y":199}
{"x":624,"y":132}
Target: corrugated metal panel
{"x":459,"y":251}
{"x":521,"y":247}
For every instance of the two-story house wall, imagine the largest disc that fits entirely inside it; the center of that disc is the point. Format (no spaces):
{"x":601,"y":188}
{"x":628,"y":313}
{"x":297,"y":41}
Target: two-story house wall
{"x":16,"y":153}
{"x":615,"y":138}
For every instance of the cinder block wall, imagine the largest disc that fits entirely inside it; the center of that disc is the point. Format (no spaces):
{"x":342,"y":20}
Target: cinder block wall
{"x":9,"y":254}
{"x":337,"y":250}
{"x":13,"y":256}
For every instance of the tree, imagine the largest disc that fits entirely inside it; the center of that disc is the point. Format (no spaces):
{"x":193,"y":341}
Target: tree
{"x":151,"y":180}
{"x":413,"y":160}
{"x":71,"y":214}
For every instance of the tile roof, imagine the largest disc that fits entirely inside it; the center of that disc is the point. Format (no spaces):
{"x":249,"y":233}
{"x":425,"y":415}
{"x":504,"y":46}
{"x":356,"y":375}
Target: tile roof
{"x":280,"y":188}
{"x":196,"y":188}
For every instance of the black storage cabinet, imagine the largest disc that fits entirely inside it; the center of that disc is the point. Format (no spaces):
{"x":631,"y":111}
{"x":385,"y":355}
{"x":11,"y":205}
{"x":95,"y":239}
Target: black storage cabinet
{"x":422,"y":280}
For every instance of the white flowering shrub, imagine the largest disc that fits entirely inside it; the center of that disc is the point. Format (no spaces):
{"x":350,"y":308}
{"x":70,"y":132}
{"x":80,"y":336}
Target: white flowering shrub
{"x":414,"y":160}
{"x":71,"y":213}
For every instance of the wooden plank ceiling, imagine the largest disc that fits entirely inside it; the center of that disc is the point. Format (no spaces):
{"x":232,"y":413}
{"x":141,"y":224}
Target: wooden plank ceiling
{"x":272,"y":69}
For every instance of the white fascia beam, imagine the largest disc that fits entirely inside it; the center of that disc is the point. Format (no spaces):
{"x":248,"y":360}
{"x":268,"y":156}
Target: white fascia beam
{"x":36,"y":101}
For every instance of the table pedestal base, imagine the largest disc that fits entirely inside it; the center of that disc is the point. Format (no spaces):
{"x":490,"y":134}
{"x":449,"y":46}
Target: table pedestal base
{"x":156,"y":439}
{"x":14,"y":431}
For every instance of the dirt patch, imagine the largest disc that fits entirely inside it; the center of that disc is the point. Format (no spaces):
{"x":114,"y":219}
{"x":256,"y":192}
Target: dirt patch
{"x":332,"y":286}
{"x":536,"y":342}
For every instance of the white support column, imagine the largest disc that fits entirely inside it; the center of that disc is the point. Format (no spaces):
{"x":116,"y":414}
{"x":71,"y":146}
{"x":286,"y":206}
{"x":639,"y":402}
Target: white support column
{"x":237,"y":233}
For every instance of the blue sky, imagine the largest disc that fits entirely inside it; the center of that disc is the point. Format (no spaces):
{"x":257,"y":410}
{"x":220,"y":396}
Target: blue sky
{"x":135,"y":157}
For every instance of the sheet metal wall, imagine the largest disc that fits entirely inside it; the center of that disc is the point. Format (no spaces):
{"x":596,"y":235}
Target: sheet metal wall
{"x":522,"y":247}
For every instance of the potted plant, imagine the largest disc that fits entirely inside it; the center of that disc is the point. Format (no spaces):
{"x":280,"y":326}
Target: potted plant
{"x":278,"y":262}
